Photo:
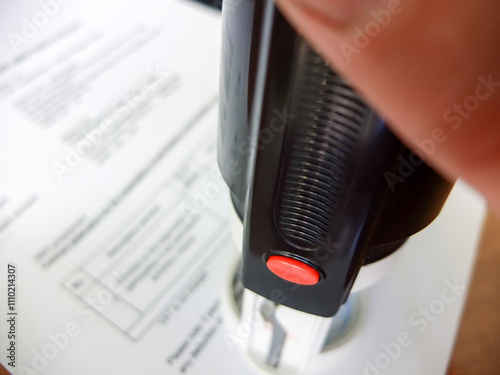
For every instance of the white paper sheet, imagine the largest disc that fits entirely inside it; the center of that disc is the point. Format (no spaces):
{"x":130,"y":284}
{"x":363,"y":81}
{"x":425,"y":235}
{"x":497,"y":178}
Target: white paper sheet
{"x":112,"y":208}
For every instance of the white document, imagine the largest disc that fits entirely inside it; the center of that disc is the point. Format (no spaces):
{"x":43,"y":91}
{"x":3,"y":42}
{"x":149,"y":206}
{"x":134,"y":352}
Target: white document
{"x":112,"y":209}
{"x":115,"y":252}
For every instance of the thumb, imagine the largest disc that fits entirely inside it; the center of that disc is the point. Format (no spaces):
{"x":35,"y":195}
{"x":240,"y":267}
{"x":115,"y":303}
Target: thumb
{"x":431,"y":68}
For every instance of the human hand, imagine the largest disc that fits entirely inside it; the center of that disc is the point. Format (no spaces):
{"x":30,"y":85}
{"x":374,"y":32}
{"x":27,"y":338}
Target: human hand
{"x":431,"y":68}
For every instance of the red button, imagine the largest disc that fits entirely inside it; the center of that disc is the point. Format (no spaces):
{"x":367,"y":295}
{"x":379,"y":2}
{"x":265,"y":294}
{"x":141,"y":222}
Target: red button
{"x":293,"y":270}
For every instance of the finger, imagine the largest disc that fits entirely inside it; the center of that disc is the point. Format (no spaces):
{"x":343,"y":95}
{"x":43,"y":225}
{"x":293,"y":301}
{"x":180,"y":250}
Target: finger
{"x":431,"y":68}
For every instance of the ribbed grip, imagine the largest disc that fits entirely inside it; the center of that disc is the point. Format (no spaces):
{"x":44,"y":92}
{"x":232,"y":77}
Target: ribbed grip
{"x":318,"y":149}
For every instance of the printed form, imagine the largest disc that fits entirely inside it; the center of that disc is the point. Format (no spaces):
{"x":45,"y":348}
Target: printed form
{"x":113,"y":223}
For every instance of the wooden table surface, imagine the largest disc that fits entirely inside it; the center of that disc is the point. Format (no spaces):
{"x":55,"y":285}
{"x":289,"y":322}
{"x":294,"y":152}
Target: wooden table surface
{"x":477,"y":349}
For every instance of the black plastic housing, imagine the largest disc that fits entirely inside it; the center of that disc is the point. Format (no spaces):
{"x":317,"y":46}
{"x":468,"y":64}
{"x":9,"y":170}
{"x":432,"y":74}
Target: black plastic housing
{"x":314,"y":173}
